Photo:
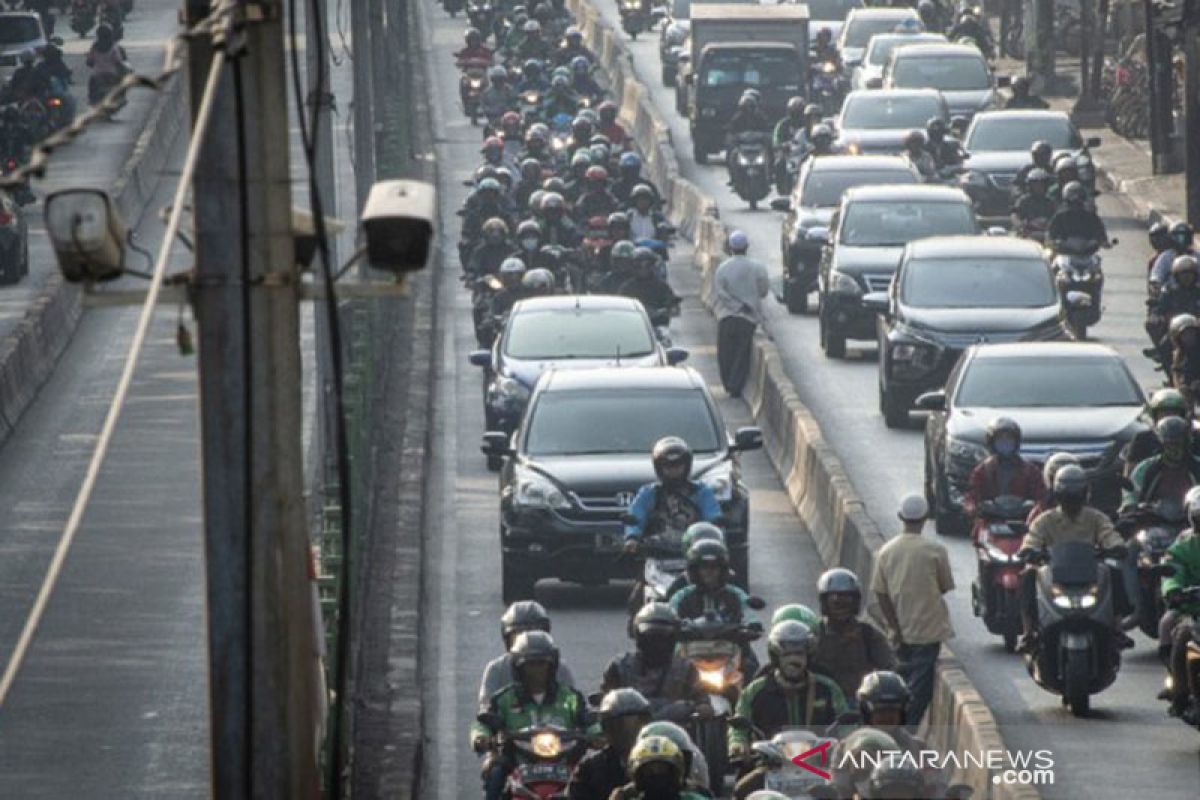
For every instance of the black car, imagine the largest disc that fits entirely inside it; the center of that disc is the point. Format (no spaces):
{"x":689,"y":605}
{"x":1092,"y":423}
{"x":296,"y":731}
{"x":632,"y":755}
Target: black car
{"x":1071,"y":397}
{"x":563,"y":332}
{"x":818,"y":192}
{"x":580,"y":455}
{"x":951,"y":292}
{"x":870,"y":230}
{"x":998,"y":144}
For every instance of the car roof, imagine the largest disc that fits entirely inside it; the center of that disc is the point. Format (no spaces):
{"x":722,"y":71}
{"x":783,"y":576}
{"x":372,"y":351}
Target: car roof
{"x":906,"y":192}
{"x":975,"y":246}
{"x":899,"y":94}
{"x":608,"y":378}
{"x":1043,"y":350}
{"x":884,"y":13}
{"x":870,"y":163}
{"x":1021,"y":113}
{"x":940,"y":49}
{"x":580,"y":302}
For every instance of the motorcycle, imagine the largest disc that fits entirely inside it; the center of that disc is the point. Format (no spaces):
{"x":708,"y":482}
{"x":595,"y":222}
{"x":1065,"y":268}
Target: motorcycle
{"x":59,"y":105}
{"x":595,"y":243}
{"x":454,"y":7}
{"x":471,"y":85}
{"x":482,"y":291}
{"x":529,"y":104}
{"x":1191,"y":595}
{"x":1080,"y":281}
{"x":483,"y":18}
{"x":114,"y":18}
{"x":633,"y":19}
{"x":787,"y":166}
{"x":545,"y":758}
{"x":83,"y":16}
{"x":1033,"y":229}
{"x":36,"y":118}
{"x":563,"y":263}
{"x":1152,"y":528}
{"x":995,"y":593}
{"x":828,"y":89}
{"x":749,"y":171}
{"x":664,"y":563}
{"x":1075,"y":654}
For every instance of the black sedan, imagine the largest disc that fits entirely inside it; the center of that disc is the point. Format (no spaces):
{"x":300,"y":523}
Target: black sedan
{"x":1069,"y":397}
{"x":581,"y":453}
{"x":998,"y":144}
{"x":951,"y":292}
{"x":818,"y":192}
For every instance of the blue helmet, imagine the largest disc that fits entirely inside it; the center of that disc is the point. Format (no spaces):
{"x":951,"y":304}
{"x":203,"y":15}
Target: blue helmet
{"x":580,"y":64}
{"x":630,"y":161}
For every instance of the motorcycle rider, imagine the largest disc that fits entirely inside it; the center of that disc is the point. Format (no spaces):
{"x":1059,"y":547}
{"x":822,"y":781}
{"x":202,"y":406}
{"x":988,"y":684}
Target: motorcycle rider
{"x":538,"y":282}
{"x":917,"y":155}
{"x":820,"y":141}
{"x":644,"y":219}
{"x":537,"y":696}
{"x":54,"y":74}
{"x":511,"y":135}
{"x":494,"y":154}
{"x":582,"y":82}
{"x":1162,"y":404}
{"x":792,"y":125}
{"x":1041,"y":154}
{"x":529,"y":182}
{"x":883,"y":699}
{"x":560,"y":99}
{"x":533,"y":44}
{"x":620,"y":267}
{"x":693,"y":757}
{"x":1159,"y":237}
{"x":572,"y":47}
{"x":557,"y":227}
{"x":658,"y":771}
{"x":1066,"y":172}
{"x":1076,"y":220}
{"x":673,"y":502}
{"x":612,"y":130}
{"x":582,"y":130}
{"x":595,"y":200}
{"x":475,"y":49}
{"x":1033,"y":210}
{"x":491,"y":251}
{"x":629,"y":177}
{"x":529,"y":243}
{"x":486,"y":202}
{"x":581,"y":162}
{"x":1181,"y":236}
{"x":709,"y":590}
{"x":931,"y":16}
{"x":748,"y":118}
{"x":696,"y":532}
{"x":623,"y":713}
{"x":1185,"y":356}
{"x":498,"y":98}
{"x":946,"y":152}
{"x":518,"y":618}
{"x":1023,"y":96}
{"x":533,"y":78}
{"x":793,"y":692}
{"x":1072,"y":521}
{"x":1184,"y":556}
{"x":1169,"y":473}
{"x":824,"y":50}
{"x":970,"y":27}
{"x":108,"y":63}
{"x":1003,"y":472}
{"x":847,"y":647}
{"x":1053,"y":464}
{"x":669,"y":682}
{"x":512,"y":271}
{"x":26,"y":81}
{"x":1181,"y":295}
{"x":646,"y":287}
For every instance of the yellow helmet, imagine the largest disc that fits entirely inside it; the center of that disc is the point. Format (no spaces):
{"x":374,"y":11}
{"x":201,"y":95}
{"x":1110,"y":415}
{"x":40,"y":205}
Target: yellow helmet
{"x":657,"y":750}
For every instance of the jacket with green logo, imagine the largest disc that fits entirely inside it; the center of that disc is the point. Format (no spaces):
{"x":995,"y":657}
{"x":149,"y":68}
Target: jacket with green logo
{"x":1184,"y":555}
{"x":516,"y":709}
{"x":771,"y":708}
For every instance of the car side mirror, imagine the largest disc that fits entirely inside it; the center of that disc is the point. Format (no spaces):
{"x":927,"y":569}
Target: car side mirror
{"x":876,"y":301}
{"x":677,"y":355}
{"x":480,"y":358}
{"x":1004,"y":81}
{"x":496,"y":443}
{"x":781,"y":204}
{"x":931,"y":401}
{"x":748,"y":438}
{"x":1093,"y":141}
{"x":57,"y":41}
{"x":874,"y":83}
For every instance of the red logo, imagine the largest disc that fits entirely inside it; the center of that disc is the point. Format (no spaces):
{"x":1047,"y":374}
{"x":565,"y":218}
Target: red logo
{"x":822,"y":749}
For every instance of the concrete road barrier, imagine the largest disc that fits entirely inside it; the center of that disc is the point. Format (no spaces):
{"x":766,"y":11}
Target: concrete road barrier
{"x":813,"y":475}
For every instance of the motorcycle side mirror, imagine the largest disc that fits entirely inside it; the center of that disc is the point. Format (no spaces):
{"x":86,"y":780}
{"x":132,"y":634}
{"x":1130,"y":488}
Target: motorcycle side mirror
{"x":489,"y":719}
{"x":594,"y":699}
{"x":677,"y":355}
{"x":480,"y":358}
{"x":781,"y":204}
{"x":496,"y":443}
{"x":1093,"y":141}
{"x":757,"y":603}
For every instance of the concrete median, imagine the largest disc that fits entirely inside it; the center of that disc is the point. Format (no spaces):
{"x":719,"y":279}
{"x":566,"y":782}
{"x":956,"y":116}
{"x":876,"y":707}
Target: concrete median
{"x":30,"y":351}
{"x":815,"y":480}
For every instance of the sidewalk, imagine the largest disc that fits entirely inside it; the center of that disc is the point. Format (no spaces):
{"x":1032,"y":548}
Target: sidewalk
{"x":1122,"y":165}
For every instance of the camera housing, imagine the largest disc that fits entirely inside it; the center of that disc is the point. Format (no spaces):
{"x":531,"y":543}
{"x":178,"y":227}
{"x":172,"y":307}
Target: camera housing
{"x":88,"y":235}
{"x":397,"y":221}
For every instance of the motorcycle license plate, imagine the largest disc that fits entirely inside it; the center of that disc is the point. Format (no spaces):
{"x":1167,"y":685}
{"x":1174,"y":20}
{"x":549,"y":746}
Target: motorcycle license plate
{"x":545,"y":772}
{"x":608,"y":542}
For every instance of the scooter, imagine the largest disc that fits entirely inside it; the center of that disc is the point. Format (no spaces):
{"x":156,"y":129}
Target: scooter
{"x":633,"y":19}
{"x":995,"y":593}
{"x":749,"y":170}
{"x":483,"y":18}
{"x":828,"y":89}
{"x":1076,"y":654}
{"x":1152,"y":528}
{"x":471,"y":85}
{"x":776,"y":754}
{"x":454,"y":7}
{"x":1080,"y":281}
{"x":1191,"y":595}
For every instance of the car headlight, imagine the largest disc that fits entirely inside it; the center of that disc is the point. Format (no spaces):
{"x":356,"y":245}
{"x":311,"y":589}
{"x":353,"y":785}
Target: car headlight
{"x":721,"y":483}
{"x":535,"y":491}
{"x":841,"y":283}
{"x":904,"y":352}
{"x":966,"y":452}
{"x":511,"y":389}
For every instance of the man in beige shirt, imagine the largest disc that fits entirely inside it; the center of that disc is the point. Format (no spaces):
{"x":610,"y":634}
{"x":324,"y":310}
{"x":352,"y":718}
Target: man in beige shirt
{"x":912,"y":574}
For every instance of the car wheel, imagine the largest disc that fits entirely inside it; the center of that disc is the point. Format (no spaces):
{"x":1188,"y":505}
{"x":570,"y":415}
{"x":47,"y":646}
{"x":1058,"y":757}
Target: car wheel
{"x":930,"y":494}
{"x":795,"y":296}
{"x":699,"y":155}
{"x":832,"y":343}
{"x":945,"y":520}
{"x":514,"y":583}
{"x":894,"y":410}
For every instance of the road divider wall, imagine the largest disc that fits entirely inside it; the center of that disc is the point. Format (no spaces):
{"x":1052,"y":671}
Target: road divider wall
{"x":845,"y":535}
{"x":30,"y":351}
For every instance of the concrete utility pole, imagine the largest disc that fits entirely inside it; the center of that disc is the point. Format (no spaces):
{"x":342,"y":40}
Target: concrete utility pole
{"x":1191,"y":108}
{"x":364,"y":120}
{"x":262,"y":633}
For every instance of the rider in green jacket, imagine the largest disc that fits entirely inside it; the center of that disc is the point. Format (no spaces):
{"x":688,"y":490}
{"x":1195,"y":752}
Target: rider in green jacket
{"x":1184,"y":556}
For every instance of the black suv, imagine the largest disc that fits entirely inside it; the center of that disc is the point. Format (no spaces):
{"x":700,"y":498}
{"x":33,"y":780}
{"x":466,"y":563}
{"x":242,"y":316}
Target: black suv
{"x":580,"y":455}
{"x":949,"y":293}
{"x":870,"y":230}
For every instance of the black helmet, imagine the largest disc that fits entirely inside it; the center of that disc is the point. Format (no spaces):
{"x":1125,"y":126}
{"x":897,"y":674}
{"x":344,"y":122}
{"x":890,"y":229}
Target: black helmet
{"x":581,"y":129}
{"x":656,"y":619}
{"x":1181,"y":236}
{"x":1041,"y":151}
{"x":641,"y":191}
{"x":473,"y":37}
{"x":555,"y":184}
{"x":495,"y":230}
{"x":1038,"y":176}
{"x":821,"y":134}
{"x":813,"y":110}
{"x":1071,"y":482}
{"x":538,"y":281}
{"x":936,"y":128}
{"x":795,"y":106}
{"x":1020,"y":85}
{"x":1160,"y":236}
{"x":531,"y":169}
{"x":914,"y":139}
{"x":622,"y":252}
{"x":553,"y":201}
{"x":671,"y":451}
{"x":838,"y":580}
{"x":896,"y":779}
{"x":1001,"y":425}
{"x":1174,"y":433}
{"x":534,"y":646}
{"x":1065,"y":165}
{"x":882,"y":688}
{"x":617,"y":219}
{"x":521,"y":616}
{"x":645,"y":257}
{"x":1074,"y":193}
{"x":1185,"y":265}
{"x":703,"y":553}
{"x":747,"y":102}
{"x":623,"y":702}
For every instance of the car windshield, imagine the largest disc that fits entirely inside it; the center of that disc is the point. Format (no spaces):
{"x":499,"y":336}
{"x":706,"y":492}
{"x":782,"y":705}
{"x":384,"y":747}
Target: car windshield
{"x":1032,"y":381}
{"x":619,"y":421}
{"x":19,"y":30}
{"x":896,"y":223}
{"x":774,"y":70}
{"x":881,"y":47}
{"x":860,"y":29}
{"x":1019,"y":133}
{"x":831,"y":10}
{"x":589,"y":333}
{"x":824,"y":187}
{"x":872,"y":110}
{"x":977,"y":283}
{"x":948,"y":74}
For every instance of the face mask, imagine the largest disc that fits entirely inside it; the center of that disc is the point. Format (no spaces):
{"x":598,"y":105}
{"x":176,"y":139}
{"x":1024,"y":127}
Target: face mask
{"x":1006,"y":447}
{"x":1072,"y":505}
{"x":529,"y":244}
{"x":656,"y":649}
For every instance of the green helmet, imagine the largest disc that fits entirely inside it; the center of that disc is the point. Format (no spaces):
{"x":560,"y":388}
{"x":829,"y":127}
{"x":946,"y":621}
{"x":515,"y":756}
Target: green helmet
{"x":700,"y":531}
{"x":671,"y":731}
{"x":1167,"y":401}
{"x":797,"y":612}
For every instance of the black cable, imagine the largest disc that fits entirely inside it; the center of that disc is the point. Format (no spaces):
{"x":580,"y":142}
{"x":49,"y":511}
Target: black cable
{"x":316,"y":37}
{"x":247,"y":397}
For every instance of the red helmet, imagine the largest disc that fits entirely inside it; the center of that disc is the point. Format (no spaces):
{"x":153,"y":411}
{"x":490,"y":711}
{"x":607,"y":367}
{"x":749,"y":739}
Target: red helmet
{"x":596,"y":174}
{"x":510,"y":118}
{"x":492,"y":143}
{"x":607,"y":111}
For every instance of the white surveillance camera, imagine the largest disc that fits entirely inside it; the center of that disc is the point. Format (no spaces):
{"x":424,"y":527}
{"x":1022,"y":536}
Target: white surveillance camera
{"x":398,"y":222}
{"x":87,"y":233}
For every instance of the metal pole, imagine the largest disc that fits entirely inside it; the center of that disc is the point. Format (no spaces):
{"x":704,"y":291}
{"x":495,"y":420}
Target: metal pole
{"x":1039,"y":46}
{"x":1158,"y":136}
{"x":364,"y":122}
{"x":263,"y":684}
{"x":1191,"y":109}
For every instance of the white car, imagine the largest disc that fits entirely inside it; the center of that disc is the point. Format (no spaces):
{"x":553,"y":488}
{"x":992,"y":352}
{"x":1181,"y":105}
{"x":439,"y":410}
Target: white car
{"x":863,"y":23}
{"x":20,"y":31}
{"x":869,"y":74}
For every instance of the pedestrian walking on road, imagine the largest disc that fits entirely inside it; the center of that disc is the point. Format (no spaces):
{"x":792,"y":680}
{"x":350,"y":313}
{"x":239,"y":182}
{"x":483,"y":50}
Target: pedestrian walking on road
{"x":740,"y":284}
{"x":912,"y":574}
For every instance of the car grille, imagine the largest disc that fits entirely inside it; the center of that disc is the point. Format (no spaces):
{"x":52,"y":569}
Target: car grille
{"x":878,"y":281}
{"x":1091,"y":455}
{"x":1003,"y":179}
{"x":961,"y":341}
{"x":597,"y":509}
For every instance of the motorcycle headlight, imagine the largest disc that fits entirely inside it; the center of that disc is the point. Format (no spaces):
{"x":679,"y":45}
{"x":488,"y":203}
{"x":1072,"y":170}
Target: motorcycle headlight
{"x":721,"y":483}
{"x":840,"y":283}
{"x":535,"y":491}
{"x":758,"y":160}
{"x":476,"y":83}
{"x":996,"y":554}
{"x":714,"y":679}
{"x":531,"y":98}
{"x":546,"y":744}
{"x":965,"y":452}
